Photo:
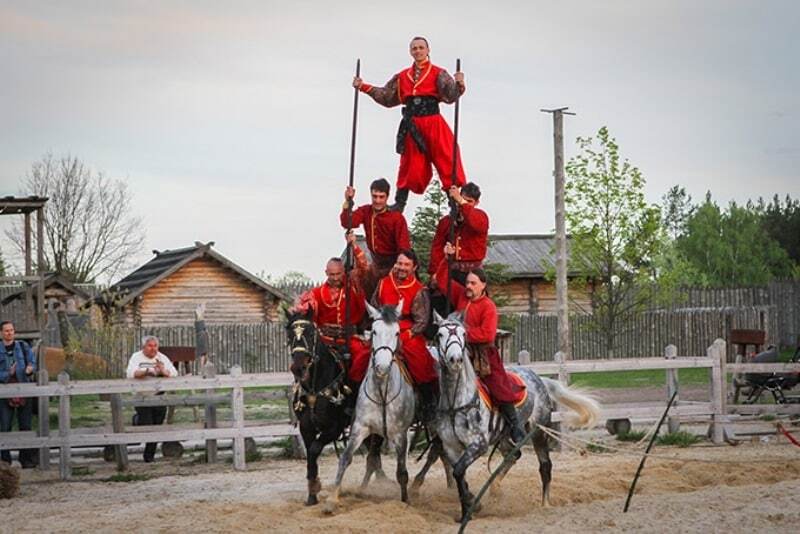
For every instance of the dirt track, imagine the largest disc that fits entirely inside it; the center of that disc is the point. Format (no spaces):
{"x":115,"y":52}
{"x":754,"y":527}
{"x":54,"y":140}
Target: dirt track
{"x":588,"y":495}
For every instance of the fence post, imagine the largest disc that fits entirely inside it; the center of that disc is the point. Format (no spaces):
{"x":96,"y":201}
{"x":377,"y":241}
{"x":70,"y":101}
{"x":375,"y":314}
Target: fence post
{"x":670,"y":353}
{"x":238,"y":422}
{"x":43,"y":379}
{"x":524,"y":357}
{"x":563,"y":374}
{"x":718,"y":382}
{"x":64,"y":463}
{"x":209,"y":371}
{"x":118,"y":425}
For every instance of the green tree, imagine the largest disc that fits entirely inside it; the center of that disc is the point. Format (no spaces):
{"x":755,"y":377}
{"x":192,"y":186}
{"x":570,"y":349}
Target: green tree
{"x":782,"y":223}
{"x":731,"y":247}
{"x":676,"y":209}
{"x":423,"y":225}
{"x":616,"y":235}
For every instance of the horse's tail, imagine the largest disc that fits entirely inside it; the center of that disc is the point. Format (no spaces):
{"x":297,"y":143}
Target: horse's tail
{"x":587,"y":410}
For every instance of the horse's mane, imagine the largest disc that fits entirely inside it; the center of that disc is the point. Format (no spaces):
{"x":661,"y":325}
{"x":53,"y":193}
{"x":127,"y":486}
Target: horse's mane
{"x":389,"y":314}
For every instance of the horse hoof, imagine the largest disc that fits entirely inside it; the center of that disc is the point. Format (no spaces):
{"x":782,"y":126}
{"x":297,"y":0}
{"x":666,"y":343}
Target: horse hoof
{"x":329,"y":508}
{"x":312,"y":500}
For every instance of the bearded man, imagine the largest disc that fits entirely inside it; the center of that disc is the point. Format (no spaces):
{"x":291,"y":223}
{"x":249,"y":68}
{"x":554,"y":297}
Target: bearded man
{"x":480,"y":322}
{"x":402,"y":284}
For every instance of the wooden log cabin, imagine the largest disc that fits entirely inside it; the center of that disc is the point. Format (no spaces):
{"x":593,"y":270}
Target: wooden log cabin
{"x":527,"y":258}
{"x":167,"y":289}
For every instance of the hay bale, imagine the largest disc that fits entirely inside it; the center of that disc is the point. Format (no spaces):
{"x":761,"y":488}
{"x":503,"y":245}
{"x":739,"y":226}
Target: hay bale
{"x":9,"y":481}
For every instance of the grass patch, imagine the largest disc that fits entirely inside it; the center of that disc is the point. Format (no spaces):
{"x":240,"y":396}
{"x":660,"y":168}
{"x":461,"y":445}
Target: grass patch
{"x":82,"y":471}
{"x":768,"y":417}
{"x":633,"y":435}
{"x":638,"y":378}
{"x":597,"y":447}
{"x":679,"y":439}
{"x":128,"y":477}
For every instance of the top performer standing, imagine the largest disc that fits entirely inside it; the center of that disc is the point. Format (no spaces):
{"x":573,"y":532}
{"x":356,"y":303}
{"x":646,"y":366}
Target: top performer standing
{"x":423,"y":136}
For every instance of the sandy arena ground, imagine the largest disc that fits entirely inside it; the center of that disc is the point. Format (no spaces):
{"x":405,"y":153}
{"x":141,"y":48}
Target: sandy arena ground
{"x":588,"y":494}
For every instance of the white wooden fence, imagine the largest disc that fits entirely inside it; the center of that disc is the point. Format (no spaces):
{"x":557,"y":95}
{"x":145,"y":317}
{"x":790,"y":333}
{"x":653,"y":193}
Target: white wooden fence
{"x":716,"y":409}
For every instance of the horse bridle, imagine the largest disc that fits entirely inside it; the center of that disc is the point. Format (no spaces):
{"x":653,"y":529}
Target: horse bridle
{"x":452,"y":332}
{"x":299,"y":327}
{"x":383,"y":393}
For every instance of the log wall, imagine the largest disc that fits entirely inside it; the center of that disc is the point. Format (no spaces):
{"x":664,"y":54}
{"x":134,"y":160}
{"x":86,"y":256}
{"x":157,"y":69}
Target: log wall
{"x":229,"y":298}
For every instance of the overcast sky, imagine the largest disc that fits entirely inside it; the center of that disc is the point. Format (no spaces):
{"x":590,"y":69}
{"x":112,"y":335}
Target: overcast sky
{"x":231,"y":120}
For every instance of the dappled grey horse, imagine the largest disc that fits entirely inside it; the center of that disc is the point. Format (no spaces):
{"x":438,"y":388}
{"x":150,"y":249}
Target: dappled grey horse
{"x":385,"y":404}
{"x":467,"y":427}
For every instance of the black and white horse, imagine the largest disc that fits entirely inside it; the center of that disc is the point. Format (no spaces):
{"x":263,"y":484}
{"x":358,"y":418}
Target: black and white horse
{"x":466,"y":425}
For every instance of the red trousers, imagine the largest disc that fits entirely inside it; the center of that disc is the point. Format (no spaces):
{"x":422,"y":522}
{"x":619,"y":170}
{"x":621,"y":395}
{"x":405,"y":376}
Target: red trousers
{"x":418,"y":359}
{"x":499,"y":384}
{"x":415,"y":166}
{"x":359,"y":359}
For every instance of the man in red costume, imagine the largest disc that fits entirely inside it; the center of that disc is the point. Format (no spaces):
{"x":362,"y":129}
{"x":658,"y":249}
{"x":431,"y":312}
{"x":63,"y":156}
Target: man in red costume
{"x":471,"y":234}
{"x":328,"y":303}
{"x":423,"y":137}
{"x":386,"y":231}
{"x":402,"y":284}
{"x":480,"y":322}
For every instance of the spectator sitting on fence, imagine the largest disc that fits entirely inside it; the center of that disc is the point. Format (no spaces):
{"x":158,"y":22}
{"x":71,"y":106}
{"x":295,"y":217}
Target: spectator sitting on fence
{"x":17,"y":364}
{"x":146,"y":363}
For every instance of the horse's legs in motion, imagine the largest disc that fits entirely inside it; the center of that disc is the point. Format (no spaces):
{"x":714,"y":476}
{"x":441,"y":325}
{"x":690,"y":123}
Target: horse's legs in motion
{"x":540,"y":444}
{"x":434,"y":453}
{"x":473,"y":451}
{"x":313,"y":450}
{"x":401,"y":447}
{"x":358,"y":433}
{"x":374,"y":442}
{"x":505,"y":447}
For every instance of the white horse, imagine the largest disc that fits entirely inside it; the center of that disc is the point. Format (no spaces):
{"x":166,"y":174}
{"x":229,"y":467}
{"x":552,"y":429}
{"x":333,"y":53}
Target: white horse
{"x":467,"y":427}
{"x":386,"y":402}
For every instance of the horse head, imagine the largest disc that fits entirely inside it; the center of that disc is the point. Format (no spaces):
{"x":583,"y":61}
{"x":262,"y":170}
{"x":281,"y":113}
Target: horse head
{"x":385,"y":336}
{"x":451,"y":341}
{"x":302,"y":335}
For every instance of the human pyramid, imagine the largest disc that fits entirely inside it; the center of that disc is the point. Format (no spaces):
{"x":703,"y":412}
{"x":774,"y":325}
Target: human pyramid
{"x":338,"y":306}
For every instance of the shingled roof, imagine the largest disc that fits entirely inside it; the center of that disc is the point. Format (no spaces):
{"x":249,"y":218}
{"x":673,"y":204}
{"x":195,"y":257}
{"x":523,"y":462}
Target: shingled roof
{"x":167,"y":262}
{"x":524,"y":255}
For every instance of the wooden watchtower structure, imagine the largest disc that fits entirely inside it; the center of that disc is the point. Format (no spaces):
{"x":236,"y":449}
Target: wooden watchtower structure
{"x":30,"y":326}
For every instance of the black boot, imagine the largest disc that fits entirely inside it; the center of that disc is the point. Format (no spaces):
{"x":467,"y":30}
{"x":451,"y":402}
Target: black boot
{"x":400,"y":199}
{"x":510,"y":415}
{"x":428,"y":402}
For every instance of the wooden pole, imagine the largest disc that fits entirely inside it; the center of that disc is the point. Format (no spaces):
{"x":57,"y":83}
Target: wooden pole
{"x":210,"y":371}
{"x":717,"y":393}
{"x":238,"y":422}
{"x":453,"y":205}
{"x":349,"y":260}
{"x":562,"y":306}
{"x":43,"y":379}
{"x":40,"y":303}
{"x":118,"y":425}
{"x":674,"y":422}
{"x":64,"y":414}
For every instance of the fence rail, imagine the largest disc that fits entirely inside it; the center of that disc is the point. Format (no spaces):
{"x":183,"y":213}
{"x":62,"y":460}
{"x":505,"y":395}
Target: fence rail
{"x":716,"y":409}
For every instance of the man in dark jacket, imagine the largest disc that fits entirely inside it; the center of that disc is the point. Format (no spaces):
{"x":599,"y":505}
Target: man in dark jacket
{"x":17,"y":364}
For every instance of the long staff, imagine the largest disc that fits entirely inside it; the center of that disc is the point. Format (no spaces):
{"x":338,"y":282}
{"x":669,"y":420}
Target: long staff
{"x":453,"y":206}
{"x":348,"y":262}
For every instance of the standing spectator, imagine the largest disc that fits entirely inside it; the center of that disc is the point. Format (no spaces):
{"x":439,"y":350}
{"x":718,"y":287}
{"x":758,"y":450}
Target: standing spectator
{"x":17,"y":364}
{"x":144,"y":364}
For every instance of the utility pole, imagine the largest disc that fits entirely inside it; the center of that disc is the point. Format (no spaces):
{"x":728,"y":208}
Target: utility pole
{"x":562,"y":305}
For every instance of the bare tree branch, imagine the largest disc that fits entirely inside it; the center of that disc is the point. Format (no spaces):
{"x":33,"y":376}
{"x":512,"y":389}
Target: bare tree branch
{"x":89,"y":228}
